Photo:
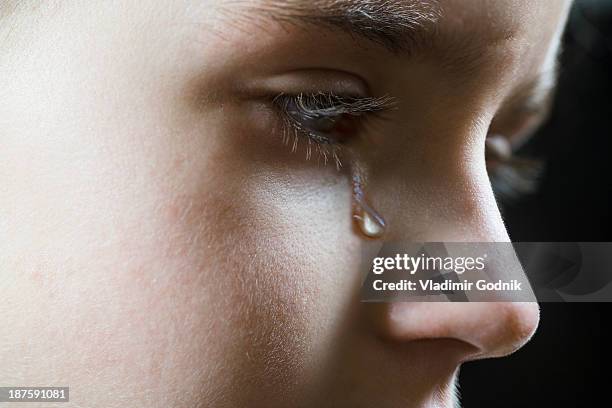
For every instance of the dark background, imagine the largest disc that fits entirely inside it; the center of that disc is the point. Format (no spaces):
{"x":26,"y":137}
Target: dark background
{"x":566,"y":363}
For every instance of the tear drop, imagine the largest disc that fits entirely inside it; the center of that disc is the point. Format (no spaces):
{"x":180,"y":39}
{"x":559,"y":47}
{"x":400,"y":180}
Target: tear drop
{"x":369,"y":221}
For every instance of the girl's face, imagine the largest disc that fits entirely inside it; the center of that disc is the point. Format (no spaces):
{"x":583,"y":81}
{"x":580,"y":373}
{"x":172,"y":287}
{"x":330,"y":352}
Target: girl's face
{"x":170,"y":234}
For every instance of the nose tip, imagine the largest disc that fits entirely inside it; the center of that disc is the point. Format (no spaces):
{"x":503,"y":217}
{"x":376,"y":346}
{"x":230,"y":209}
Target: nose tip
{"x":492,"y":329}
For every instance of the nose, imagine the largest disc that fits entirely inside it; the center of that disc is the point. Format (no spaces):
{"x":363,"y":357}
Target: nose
{"x":492,"y":329}
{"x":461,"y":208}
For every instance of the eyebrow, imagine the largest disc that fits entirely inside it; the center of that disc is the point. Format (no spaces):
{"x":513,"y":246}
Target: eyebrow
{"x":399,"y":26}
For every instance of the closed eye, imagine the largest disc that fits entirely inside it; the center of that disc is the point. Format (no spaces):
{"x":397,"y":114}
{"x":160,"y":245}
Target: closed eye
{"x":325,"y":120}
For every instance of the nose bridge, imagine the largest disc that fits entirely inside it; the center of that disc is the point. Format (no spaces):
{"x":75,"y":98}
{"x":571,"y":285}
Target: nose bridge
{"x":437,"y":195}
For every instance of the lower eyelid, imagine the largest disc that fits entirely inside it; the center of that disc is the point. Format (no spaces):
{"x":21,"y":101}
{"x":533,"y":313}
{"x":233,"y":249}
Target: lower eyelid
{"x":299,"y":141}
{"x":291,"y":125}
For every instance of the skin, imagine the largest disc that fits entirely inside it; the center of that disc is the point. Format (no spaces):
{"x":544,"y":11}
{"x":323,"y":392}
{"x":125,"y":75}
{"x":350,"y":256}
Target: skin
{"x":161,"y":247}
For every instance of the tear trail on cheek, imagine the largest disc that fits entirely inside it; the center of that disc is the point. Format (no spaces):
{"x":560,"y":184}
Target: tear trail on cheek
{"x":368,"y":220}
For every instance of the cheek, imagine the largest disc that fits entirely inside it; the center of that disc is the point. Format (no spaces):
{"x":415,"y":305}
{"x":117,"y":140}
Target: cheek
{"x":268,"y":244}
{"x":173,"y":260}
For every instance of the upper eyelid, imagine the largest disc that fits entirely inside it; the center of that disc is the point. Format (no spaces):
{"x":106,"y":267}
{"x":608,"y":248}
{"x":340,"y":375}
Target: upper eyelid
{"x":322,"y":103}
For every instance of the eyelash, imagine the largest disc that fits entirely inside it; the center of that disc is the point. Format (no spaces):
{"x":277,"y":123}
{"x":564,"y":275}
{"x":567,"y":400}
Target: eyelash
{"x":297,"y":110}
